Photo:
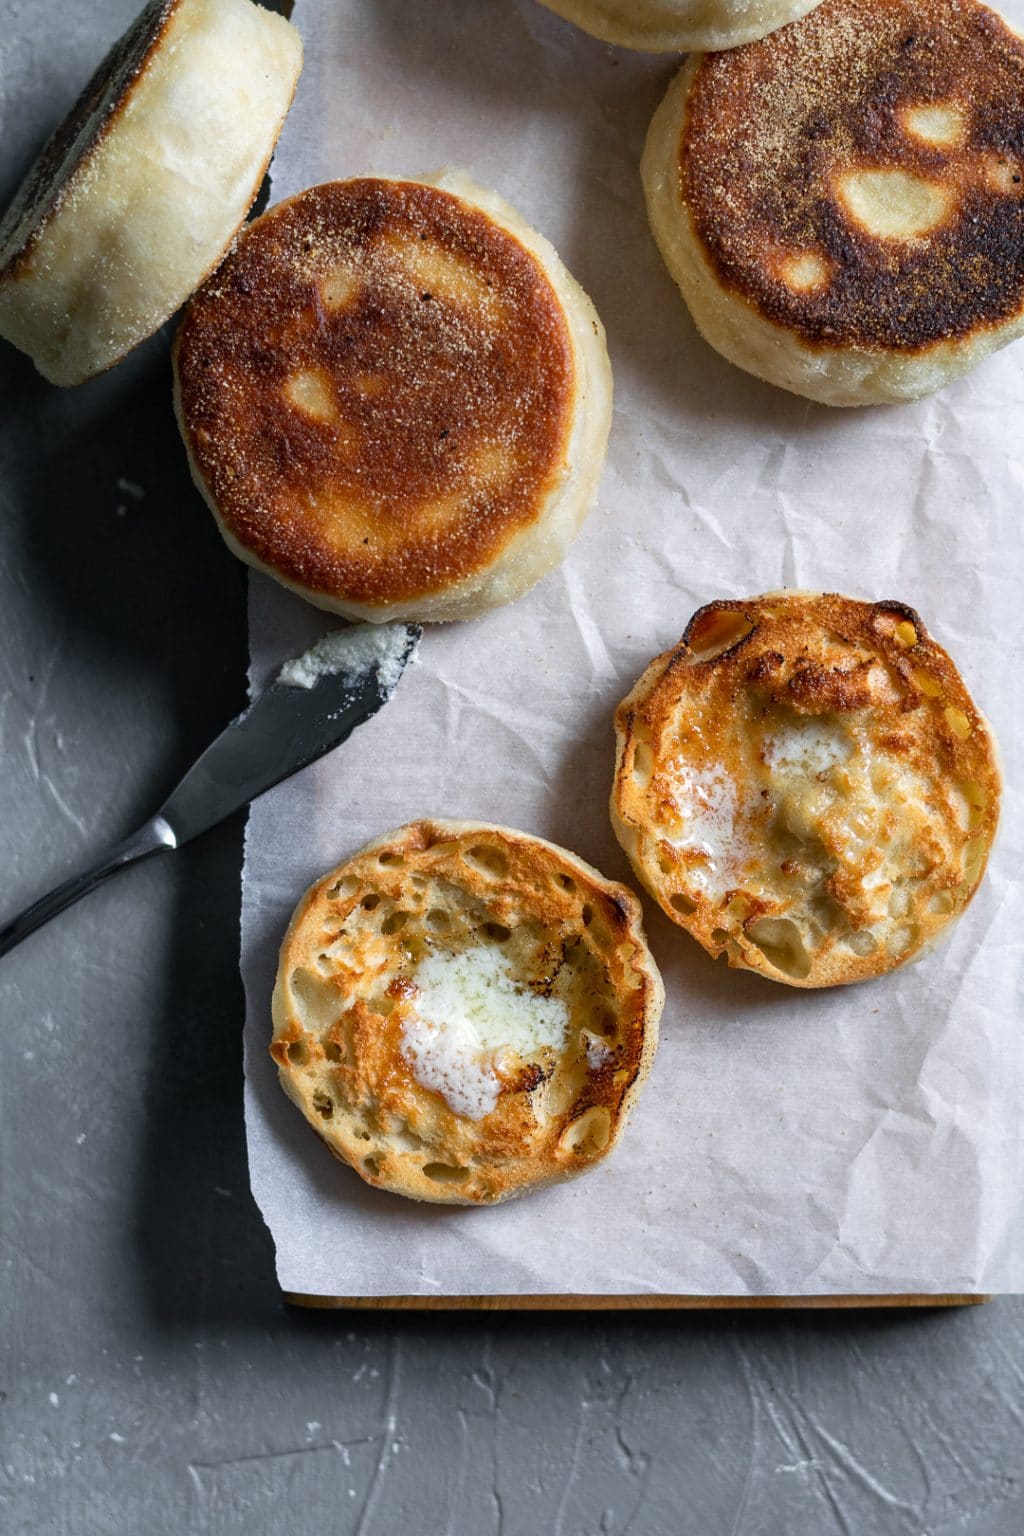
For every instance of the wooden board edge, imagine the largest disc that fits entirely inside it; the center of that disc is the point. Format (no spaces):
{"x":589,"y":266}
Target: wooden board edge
{"x":622,"y":1303}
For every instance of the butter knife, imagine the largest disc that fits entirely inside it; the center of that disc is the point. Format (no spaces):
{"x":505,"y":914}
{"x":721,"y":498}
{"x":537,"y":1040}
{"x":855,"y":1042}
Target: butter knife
{"x":315,"y":703}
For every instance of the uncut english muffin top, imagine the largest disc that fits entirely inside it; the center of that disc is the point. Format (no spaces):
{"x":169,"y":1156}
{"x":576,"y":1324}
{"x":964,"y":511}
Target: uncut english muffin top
{"x":376,"y":390}
{"x":859,"y":175}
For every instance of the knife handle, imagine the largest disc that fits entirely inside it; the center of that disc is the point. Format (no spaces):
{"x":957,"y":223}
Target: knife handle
{"x":155,"y":837}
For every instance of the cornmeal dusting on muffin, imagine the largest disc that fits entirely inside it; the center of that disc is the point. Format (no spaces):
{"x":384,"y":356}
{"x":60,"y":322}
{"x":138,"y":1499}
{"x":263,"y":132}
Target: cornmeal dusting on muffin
{"x":377,"y":389}
{"x":806,"y":148}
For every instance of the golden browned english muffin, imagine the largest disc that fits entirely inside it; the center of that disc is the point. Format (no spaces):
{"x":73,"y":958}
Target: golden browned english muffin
{"x":842,"y":204}
{"x":805,"y":785}
{"x":139,"y":192}
{"x":395,"y":399}
{"x":464,"y":1013}
{"x":678,"y":26}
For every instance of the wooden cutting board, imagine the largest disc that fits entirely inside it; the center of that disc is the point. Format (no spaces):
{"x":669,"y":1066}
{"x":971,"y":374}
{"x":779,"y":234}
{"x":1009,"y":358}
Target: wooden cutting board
{"x":645,"y":1303}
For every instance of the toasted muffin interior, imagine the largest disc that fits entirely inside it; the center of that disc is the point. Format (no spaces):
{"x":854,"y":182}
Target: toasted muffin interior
{"x":858,"y":177}
{"x":806,"y":786}
{"x":465,"y":1013}
{"x":377,"y":394}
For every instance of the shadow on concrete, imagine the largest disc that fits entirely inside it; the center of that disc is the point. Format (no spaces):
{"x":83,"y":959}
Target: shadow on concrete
{"x":155,"y":606}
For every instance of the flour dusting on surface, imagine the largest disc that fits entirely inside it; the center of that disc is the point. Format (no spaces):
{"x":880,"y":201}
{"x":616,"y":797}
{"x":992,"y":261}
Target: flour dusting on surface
{"x":357,"y":650}
{"x":469,"y":1018}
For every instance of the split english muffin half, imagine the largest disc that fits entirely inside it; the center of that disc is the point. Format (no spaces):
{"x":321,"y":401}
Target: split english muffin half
{"x":395,"y":399}
{"x":842,"y":203}
{"x":805,"y":785}
{"x":464,"y":1012}
{"x":139,"y":192}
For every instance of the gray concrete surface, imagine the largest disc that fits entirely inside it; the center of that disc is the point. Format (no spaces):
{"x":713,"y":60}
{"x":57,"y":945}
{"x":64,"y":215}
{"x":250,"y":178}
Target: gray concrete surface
{"x":151,"y":1381}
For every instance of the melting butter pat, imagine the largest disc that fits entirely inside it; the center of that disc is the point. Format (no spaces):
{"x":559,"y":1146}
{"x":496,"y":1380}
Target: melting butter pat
{"x":470,"y":1017}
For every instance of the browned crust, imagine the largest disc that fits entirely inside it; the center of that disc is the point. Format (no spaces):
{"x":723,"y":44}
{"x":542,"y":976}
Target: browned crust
{"x":767,"y":127}
{"x":70,"y":147}
{"x":386,"y":499}
{"x":813,"y":655}
{"x":502,"y":878}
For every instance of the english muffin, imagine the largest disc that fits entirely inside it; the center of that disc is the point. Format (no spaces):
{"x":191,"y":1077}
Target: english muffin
{"x":842,"y":204}
{"x":395,"y":399}
{"x":138,"y":193}
{"x":678,"y":26}
{"x":464,"y":1013}
{"x":805,"y":785}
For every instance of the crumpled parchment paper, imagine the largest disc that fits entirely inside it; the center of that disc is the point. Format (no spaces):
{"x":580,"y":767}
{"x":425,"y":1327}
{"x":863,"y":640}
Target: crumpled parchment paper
{"x":866,"y":1139}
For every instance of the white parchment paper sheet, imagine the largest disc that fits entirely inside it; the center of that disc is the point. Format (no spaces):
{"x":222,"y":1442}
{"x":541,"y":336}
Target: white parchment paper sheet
{"x":858,"y":1140}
